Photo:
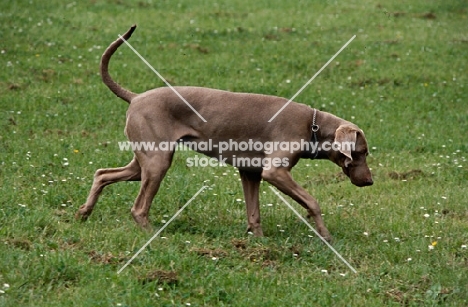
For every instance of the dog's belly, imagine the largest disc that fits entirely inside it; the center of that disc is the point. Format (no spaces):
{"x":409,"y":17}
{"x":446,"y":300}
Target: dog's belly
{"x":238,"y":154}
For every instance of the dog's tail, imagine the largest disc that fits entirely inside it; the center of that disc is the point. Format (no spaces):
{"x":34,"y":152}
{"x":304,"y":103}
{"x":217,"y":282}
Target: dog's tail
{"x":106,"y":78}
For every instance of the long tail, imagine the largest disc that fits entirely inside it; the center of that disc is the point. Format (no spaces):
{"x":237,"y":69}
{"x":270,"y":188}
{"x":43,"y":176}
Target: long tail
{"x":106,"y":78}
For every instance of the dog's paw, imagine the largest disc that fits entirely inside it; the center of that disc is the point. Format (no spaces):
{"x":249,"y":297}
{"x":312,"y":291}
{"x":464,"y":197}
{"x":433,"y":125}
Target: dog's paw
{"x":142,"y":220}
{"x":148,"y":228}
{"x":326,"y":235}
{"x":256,"y":231}
{"x":328,"y":238}
{"x":82,"y":214}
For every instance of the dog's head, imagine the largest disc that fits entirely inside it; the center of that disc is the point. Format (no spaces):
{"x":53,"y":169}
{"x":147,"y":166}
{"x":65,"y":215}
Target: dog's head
{"x":350,"y":152}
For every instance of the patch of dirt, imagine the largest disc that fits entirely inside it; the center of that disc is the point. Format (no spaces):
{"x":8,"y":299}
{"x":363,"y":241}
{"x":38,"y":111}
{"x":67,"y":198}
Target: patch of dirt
{"x":47,"y":75}
{"x":397,"y":295}
{"x":271,"y":37}
{"x":23,"y":244}
{"x":362,"y":82}
{"x":286,"y":30}
{"x":391,"y":41}
{"x":429,"y":15}
{"x":225,"y":14}
{"x":398,"y":14}
{"x":296,"y":250}
{"x":383,"y":81}
{"x":412,"y":174}
{"x":160,"y":277}
{"x":218,"y":253}
{"x":70,"y":244}
{"x":460,"y":41}
{"x":105,"y":258}
{"x":269,"y":264}
{"x":60,"y":212}
{"x":359,"y":62}
{"x":239,"y":243}
{"x":198,"y":48}
{"x":366,"y":82}
{"x":14,"y":86}
{"x":258,"y":254}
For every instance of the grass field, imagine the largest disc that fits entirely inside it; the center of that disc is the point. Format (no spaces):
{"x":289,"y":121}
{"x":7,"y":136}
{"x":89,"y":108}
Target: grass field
{"x":403,"y":80}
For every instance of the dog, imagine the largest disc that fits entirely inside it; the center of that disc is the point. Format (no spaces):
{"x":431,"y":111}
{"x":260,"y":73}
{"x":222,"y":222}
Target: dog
{"x":160,"y":115}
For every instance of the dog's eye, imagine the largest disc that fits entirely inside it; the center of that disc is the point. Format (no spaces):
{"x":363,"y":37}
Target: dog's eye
{"x":360,"y":153}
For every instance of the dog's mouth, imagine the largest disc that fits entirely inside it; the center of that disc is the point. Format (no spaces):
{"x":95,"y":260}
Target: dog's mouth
{"x":346,"y":171}
{"x":359,"y":183}
{"x":365,"y":183}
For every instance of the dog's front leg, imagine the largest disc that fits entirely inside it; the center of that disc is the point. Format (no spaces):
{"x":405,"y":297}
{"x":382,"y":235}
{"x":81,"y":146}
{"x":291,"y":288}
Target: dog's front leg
{"x":250,"y":185}
{"x":282,"y":179}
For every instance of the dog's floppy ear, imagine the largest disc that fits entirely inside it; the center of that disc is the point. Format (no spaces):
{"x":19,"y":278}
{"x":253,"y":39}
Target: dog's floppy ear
{"x":345,"y":136}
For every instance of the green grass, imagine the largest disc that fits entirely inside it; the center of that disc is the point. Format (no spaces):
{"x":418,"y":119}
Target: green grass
{"x":402,"y":80}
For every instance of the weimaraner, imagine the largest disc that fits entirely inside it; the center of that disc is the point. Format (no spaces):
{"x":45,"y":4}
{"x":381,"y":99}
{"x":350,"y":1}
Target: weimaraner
{"x":159,"y":115}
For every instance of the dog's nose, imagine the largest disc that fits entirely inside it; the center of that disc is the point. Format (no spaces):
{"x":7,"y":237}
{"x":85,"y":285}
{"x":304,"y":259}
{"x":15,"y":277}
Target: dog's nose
{"x":364,"y":183}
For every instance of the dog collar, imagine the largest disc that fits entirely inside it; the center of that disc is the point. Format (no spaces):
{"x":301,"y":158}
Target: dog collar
{"x":314,"y":127}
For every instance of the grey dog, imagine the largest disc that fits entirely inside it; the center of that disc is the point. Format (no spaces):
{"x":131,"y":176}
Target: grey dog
{"x":160,"y":115}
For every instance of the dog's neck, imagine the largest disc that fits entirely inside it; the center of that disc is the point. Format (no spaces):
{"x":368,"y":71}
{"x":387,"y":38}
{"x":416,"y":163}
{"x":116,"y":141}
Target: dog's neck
{"x":319,"y":133}
{"x":314,"y":129}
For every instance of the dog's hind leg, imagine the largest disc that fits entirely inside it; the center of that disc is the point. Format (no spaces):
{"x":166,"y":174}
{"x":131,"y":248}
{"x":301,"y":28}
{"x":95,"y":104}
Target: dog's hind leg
{"x":104,"y":177}
{"x":250,"y":185}
{"x":154,"y":166}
